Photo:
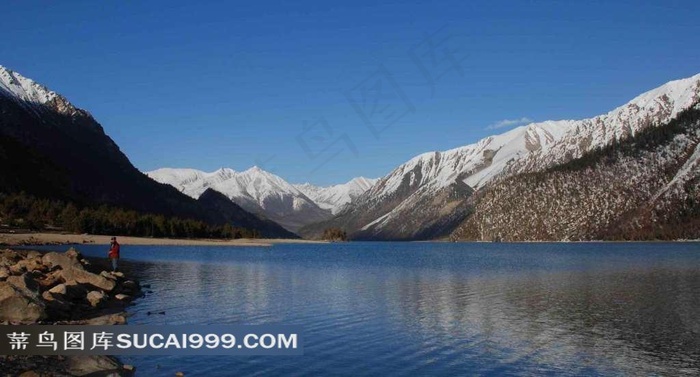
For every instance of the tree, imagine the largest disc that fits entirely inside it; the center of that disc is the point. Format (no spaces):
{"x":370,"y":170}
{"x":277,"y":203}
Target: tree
{"x":335,"y":234}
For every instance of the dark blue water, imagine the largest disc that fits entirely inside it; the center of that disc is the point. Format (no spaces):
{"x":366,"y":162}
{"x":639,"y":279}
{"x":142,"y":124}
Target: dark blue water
{"x":433,"y":308}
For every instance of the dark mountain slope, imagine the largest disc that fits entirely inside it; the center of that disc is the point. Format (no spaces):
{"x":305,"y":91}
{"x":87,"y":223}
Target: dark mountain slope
{"x":215,"y":201}
{"x":54,"y":150}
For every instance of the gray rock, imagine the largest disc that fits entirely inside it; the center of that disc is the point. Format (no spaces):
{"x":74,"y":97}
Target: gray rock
{"x":64,"y":261}
{"x":45,"y":281}
{"x":15,"y":306}
{"x":122,"y":297}
{"x":108,"y":275}
{"x":34,"y":264}
{"x":84,"y":277}
{"x":83,"y":365}
{"x":9,"y":257}
{"x":96,"y":298}
{"x":59,"y":289}
{"x":74,"y":253}
{"x":25,"y":284}
{"x":48,"y":297}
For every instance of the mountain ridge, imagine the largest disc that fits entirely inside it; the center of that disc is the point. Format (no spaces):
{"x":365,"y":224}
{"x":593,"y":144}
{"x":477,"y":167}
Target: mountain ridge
{"x":42,"y":132}
{"x":254,"y":189}
{"x":336,"y":197}
{"x":432,"y":179}
{"x":266,"y":194}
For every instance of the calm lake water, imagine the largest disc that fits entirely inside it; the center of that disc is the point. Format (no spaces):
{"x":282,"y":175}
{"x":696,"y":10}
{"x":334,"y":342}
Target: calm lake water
{"x":433,"y":308}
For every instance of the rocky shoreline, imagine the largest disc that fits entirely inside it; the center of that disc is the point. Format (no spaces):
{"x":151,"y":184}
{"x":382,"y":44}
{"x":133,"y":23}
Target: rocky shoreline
{"x":62,"y":288}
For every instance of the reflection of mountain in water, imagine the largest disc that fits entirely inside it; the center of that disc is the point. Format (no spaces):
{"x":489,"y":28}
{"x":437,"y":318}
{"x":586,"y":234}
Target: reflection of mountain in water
{"x":407,"y":312}
{"x":641,"y":322}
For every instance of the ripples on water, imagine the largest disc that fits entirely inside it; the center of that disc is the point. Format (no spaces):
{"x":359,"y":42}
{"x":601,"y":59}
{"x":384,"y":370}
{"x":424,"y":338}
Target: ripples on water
{"x":434,"y":308}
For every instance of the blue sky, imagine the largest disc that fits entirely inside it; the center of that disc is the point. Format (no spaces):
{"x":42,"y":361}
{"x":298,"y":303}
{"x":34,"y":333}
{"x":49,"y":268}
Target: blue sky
{"x":320,"y":92}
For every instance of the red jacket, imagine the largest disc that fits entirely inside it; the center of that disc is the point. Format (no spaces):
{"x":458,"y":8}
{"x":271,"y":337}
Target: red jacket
{"x":114,"y":251}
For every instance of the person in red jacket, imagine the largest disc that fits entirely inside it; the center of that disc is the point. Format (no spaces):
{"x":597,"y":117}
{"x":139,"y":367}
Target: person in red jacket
{"x":114,"y":253}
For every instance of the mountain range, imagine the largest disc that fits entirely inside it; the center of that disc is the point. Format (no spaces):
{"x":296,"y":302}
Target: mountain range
{"x":632,"y":173}
{"x":336,"y":197}
{"x":267,"y":194}
{"x":445,"y":194}
{"x":54,"y":150}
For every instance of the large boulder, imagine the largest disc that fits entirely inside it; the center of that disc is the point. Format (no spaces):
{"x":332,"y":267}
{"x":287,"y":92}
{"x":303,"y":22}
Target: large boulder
{"x":15,"y":306}
{"x":25,"y":284}
{"x":74,"y":253}
{"x":34,"y":264}
{"x":4,"y":272}
{"x":64,"y":261}
{"x":84,"y":277}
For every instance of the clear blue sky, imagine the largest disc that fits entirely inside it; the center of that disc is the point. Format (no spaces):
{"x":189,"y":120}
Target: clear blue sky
{"x":182,"y":84}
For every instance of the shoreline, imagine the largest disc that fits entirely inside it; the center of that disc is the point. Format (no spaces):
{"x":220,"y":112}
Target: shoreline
{"x":45,"y":238}
{"x":63,"y":288}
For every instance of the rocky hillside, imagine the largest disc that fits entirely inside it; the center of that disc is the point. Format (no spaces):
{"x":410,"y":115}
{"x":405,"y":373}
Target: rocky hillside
{"x":646,"y":186}
{"x":428,"y":196}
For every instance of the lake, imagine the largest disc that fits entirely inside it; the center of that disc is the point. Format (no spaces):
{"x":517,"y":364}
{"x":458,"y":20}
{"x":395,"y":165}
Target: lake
{"x":432,"y":308}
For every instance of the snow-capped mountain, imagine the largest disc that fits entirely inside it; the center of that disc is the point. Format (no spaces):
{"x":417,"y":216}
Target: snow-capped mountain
{"x":51,"y":149}
{"x":425,"y":196}
{"x":255,"y":190}
{"x":644,"y":187}
{"x":33,"y":95}
{"x":336,"y":197}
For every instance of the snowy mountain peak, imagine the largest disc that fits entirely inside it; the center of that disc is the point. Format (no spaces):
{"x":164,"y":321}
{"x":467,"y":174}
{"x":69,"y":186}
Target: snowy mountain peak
{"x":363,"y":183}
{"x":255,"y":169}
{"x":224,"y":173}
{"x":337,"y":197}
{"x":254,"y":189}
{"x":538,"y":145}
{"x":435,"y":182}
{"x":680,"y":93}
{"x":24,"y":88}
{"x":27,"y":91}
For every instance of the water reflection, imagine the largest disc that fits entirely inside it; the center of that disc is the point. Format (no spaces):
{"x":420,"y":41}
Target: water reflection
{"x":440,"y":309}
